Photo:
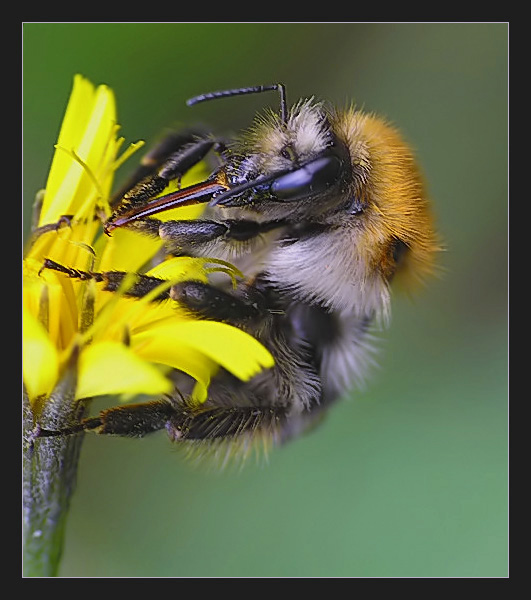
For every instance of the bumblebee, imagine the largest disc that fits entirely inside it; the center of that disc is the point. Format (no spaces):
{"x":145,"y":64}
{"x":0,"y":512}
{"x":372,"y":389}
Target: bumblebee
{"x":322,"y":209}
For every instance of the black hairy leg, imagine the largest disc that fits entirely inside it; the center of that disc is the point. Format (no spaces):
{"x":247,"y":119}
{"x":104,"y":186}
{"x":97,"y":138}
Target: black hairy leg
{"x":113,"y":280}
{"x":170,"y":145}
{"x":195,"y":237}
{"x":244,"y":307}
{"x":174,"y":166}
{"x":181,"y":419}
{"x":137,"y":199}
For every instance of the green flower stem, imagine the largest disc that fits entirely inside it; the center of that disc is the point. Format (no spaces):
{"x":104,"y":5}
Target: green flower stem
{"x":50,"y":468}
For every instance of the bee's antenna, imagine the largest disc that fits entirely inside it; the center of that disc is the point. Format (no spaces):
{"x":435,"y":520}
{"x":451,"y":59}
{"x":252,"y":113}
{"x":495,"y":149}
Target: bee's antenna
{"x":247,"y":90}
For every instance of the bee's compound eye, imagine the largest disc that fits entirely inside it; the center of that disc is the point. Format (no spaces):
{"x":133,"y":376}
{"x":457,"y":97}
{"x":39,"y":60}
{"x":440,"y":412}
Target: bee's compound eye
{"x":312,"y":178}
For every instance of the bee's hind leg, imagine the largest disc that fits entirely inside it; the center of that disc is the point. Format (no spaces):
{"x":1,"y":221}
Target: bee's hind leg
{"x":182,"y":420}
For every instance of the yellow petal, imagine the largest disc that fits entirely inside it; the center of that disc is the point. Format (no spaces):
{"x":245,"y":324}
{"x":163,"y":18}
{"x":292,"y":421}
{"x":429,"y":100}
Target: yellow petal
{"x":40,"y":363}
{"x":199,"y":393}
{"x":62,"y":314}
{"x":76,"y":115}
{"x":69,"y":246}
{"x":233,"y":349}
{"x":126,"y":250}
{"x":112,"y":368}
{"x":184,"y":358}
{"x":93,"y":149}
{"x":181,"y":268}
{"x":88,"y":127}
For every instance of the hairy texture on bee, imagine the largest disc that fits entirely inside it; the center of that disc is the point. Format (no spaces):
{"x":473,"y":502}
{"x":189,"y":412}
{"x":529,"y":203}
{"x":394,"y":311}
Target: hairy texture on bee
{"x":305,"y":132}
{"x":394,"y":189}
{"x":322,"y":209}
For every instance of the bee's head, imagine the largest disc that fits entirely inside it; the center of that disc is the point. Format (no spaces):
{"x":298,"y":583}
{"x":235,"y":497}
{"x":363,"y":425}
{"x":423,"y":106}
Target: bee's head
{"x":296,"y":166}
{"x":337,"y":167}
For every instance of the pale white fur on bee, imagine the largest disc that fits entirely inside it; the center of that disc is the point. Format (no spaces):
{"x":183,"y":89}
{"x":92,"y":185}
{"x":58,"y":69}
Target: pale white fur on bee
{"x":305,"y":131}
{"x":328,"y":269}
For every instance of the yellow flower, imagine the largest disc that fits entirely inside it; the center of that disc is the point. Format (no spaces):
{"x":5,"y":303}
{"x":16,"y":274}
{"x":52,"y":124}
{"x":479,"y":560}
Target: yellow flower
{"x":121,"y":345}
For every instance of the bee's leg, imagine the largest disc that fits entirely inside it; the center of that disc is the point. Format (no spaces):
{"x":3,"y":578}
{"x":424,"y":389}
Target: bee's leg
{"x":182,"y":420}
{"x":175,"y":165}
{"x":207,"y":423}
{"x":244,"y":307}
{"x":169,"y":146}
{"x":205,"y":237}
{"x":131,"y":420}
{"x":113,"y":280}
{"x":36,"y":231}
{"x":63,"y":221}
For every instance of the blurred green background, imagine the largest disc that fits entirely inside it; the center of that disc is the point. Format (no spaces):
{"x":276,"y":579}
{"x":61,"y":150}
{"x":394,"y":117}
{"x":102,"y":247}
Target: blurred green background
{"x":405,"y":479}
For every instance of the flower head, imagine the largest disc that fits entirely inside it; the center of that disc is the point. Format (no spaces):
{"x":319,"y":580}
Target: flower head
{"x":121,"y":345}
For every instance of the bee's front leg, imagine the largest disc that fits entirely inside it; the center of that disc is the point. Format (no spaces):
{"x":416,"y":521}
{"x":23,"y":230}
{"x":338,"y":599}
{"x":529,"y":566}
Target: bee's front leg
{"x":245,"y":307}
{"x":171,"y":145}
{"x":204,"y":237}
